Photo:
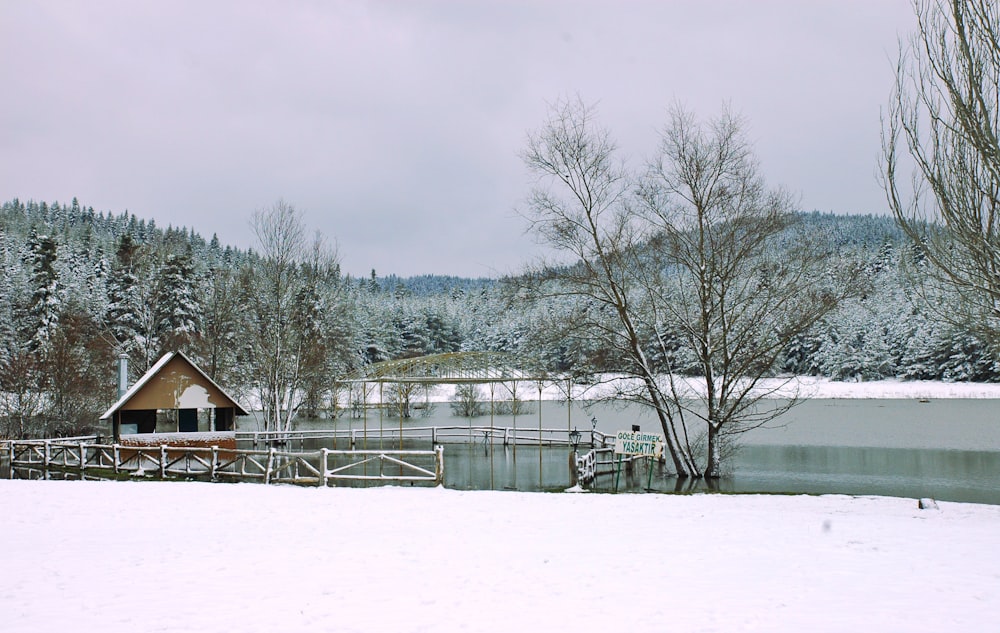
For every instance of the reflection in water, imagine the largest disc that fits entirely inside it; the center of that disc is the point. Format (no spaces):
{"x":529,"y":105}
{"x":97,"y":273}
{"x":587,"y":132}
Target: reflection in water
{"x":971,"y":476}
{"x":952,"y":475}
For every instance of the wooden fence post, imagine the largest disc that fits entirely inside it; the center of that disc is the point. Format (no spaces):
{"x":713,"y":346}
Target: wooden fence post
{"x":45,"y":457}
{"x":270,"y":465}
{"x":116,"y":456}
{"x":215,"y":460}
{"x":439,"y":465}
{"x":324,"y":454}
{"x":83,"y":456}
{"x":163,"y":461}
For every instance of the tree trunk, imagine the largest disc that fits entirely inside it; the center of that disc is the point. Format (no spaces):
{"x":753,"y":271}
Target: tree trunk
{"x":713,"y":469}
{"x":684,"y":464}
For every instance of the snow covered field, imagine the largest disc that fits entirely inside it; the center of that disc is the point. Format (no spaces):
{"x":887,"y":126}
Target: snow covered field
{"x":824,"y":388}
{"x":799,"y":386}
{"x":154,"y":556}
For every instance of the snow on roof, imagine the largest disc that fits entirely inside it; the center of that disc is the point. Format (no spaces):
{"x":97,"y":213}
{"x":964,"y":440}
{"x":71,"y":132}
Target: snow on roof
{"x":153,"y":371}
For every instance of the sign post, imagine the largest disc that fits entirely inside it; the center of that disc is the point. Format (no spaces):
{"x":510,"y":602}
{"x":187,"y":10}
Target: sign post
{"x":637,"y":443}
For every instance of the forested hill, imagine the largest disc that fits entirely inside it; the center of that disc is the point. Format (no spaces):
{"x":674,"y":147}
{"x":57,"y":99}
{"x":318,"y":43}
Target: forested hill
{"x":74,"y":227}
{"x":81,"y":285}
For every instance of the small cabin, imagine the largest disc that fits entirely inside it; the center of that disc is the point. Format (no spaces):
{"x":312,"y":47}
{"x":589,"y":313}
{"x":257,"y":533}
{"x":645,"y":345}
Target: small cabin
{"x":174,"y":403}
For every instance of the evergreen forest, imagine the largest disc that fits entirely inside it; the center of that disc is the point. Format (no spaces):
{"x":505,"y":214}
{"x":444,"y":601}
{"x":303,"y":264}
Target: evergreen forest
{"x":81,"y":287}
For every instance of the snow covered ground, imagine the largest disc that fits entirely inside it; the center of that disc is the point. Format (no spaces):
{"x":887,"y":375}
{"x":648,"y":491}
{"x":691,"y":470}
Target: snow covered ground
{"x":154,"y":556}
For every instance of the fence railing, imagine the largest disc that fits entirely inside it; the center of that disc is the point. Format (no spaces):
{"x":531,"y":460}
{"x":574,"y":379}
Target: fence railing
{"x":598,"y":462}
{"x":319,"y":468}
{"x":433,"y":434}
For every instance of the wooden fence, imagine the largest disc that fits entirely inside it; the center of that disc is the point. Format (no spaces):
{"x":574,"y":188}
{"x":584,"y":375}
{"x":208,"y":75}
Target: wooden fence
{"x":317,"y":468}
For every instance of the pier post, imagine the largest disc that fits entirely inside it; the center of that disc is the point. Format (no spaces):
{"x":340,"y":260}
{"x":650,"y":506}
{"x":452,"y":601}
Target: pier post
{"x":574,"y":473}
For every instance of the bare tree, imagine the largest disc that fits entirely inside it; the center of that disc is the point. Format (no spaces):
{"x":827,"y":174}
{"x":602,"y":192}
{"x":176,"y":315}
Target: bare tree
{"x":21,"y":395}
{"x":581,"y":207}
{"x":467,"y":401}
{"x":283,"y":346}
{"x":683,"y":261}
{"x":215,"y":348}
{"x":728,"y":286}
{"x":76,"y":364}
{"x":943,"y":122}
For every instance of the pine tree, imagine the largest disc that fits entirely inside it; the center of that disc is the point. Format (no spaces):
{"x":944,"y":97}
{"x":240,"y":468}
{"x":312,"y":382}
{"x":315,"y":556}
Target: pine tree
{"x":130,"y":318}
{"x":178,"y":310}
{"x":45,"y":298}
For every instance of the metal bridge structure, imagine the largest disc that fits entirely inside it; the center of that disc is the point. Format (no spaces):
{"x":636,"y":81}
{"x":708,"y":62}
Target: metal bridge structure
{"x":453,"y":368}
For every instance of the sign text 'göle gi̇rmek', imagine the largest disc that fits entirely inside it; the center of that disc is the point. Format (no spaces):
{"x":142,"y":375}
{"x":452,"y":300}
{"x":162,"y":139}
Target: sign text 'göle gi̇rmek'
{"x":636,"y":443}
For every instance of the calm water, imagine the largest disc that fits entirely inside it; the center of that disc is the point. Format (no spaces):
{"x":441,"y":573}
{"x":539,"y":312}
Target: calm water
{"x":946,"y":449}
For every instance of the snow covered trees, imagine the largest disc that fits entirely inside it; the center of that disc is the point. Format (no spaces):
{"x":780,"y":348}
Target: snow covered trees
{"x":944,"y":116}
{"x":100,"y":282}
{"x":129,"y":318}
{"x":45,"y":298}
{"x":178,"y":310}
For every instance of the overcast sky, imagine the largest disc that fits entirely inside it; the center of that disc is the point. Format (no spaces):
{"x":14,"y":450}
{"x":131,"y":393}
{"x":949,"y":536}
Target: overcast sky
{"x":396,"y":126}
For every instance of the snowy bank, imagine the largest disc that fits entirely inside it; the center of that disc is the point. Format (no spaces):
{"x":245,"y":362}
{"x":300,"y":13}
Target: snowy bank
{"x":823,"y":388}
{"x":799,"y":386}
{"x":89,"y":556}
